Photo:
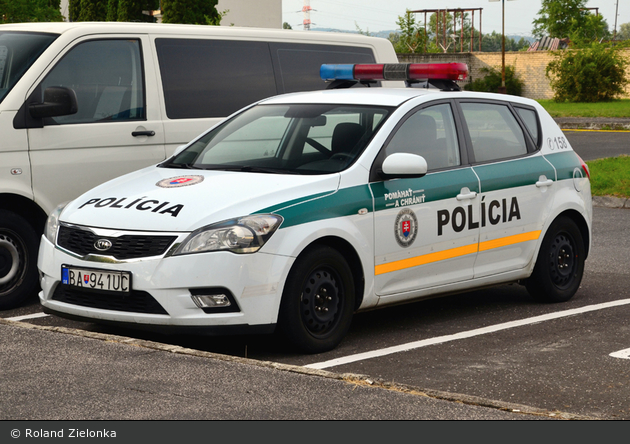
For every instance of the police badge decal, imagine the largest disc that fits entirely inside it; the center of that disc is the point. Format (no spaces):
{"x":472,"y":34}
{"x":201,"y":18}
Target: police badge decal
{"x":406,"y":227}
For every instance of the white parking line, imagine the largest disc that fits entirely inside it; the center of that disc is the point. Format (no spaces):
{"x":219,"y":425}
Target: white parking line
{"x":623,"y":354}
{"x":463,"y":335}
{"x":29,"y":316}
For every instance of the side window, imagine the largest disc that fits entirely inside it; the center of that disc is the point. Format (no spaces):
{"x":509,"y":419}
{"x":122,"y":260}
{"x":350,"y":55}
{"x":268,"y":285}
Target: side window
{"x":297,"y":65}
{"x":430,"y":133}
{"x":494,"y":131}
{"x":213,"y":78}
{"x":107,"y":77}
{"x":531,"y":122}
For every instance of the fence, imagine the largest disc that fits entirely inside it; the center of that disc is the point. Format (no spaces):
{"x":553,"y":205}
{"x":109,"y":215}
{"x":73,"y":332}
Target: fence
{"x":529,"y":66}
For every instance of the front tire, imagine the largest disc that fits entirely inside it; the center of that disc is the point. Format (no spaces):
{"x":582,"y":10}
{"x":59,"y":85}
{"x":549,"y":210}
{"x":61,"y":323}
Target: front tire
{"x":317,"y":301}
{"x":560,"y":264}
{"x":18,"y":260}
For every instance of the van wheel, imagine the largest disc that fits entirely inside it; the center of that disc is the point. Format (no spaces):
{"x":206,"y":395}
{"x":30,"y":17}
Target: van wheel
{"x":560,"y":265}
{"x":317,"y":301}
{"x":18,"y":255}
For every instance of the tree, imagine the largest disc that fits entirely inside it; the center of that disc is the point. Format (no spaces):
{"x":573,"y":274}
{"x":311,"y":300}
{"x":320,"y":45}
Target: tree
{"x":194,"y":12}
{"x":624,"y":31}
{"x":492,"y":81}
{"x":411,"y":38}
{"x":566,"y":18}
{"x":17,"y":11}
{"x":591,"y":74}
{"x":112,"y":10}
{"x":492,"y":43}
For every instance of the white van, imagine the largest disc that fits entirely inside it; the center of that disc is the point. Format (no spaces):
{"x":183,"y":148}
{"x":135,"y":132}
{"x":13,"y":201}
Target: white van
{"x":82,"y":103}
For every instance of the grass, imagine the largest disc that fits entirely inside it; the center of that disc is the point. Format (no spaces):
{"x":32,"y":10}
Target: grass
{"x":616,"y":108}
{"x":610,"y":176}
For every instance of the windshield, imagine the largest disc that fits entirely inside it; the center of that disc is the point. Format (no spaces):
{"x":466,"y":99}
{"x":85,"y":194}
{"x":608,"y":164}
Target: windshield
{"x":299,"y":139}
{"x":18,"y":51}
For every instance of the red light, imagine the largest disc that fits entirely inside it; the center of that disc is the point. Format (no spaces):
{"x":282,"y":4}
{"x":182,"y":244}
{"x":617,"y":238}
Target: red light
{"x":584,"y":167}
{"x":369,"y":72}
{"x":445,"y":71}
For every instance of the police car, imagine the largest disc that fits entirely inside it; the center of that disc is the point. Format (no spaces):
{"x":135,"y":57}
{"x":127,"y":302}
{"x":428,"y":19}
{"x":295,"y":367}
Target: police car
{"x":303,"y":209}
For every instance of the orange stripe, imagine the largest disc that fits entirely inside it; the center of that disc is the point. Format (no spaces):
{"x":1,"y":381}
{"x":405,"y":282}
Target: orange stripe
{"x":509,"y":240}
{"x":454,"y":252}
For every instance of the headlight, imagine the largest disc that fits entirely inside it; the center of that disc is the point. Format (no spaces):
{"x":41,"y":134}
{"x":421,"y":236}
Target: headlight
{"x":243,"y":235}
{"x":52,"y":223}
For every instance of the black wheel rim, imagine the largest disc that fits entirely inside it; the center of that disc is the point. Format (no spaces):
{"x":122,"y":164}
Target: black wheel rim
{"x":321,"y":302}
{"x":563,"y":260}
{"x":12,"y":269}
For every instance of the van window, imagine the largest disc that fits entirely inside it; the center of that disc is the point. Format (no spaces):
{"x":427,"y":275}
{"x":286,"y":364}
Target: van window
{"x":107,"y":77}
{"x":213,"y":78}
{"x":18,"y":51}
{"x":297,"y":65}
{"x":494,"y":132}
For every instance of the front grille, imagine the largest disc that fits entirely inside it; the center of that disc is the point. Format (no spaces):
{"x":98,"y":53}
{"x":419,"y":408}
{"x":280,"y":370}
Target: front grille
{"x":133,"y":302}
{"x":128,"y":246}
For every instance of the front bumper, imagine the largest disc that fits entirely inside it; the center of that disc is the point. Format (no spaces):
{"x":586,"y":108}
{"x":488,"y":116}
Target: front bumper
{"x":255,"y":282}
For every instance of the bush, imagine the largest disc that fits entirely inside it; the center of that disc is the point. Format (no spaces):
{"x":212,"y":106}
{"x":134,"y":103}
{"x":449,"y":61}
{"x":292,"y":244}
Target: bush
{"x":492,"y":81}
{"x":592,"y":74}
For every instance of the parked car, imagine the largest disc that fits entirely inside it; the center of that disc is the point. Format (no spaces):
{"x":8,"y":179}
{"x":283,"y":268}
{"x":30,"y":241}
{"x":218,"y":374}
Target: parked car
{"x":302,"y":209}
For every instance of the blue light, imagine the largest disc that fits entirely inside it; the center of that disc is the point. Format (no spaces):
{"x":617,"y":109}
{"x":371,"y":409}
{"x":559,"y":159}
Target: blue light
{"x":337,"y":72}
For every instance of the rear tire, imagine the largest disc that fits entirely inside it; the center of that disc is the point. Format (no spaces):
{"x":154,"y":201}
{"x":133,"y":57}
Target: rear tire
{"x":18,"y":260}
{"x":317,"y":301}
{"x":560,"y":264}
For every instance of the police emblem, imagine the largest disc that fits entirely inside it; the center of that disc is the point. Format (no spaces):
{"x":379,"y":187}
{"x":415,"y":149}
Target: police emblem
{"x":180,"y":181}
{"x":406,"y":227}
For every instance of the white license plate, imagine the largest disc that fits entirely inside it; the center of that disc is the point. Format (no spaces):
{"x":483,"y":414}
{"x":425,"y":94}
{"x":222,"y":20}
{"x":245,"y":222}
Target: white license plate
{"x":119,"y":281}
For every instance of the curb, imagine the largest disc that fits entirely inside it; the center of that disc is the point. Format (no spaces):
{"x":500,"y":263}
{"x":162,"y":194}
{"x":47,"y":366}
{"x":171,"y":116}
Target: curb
{"x":594,"y":123}
{"x":611,"y":202}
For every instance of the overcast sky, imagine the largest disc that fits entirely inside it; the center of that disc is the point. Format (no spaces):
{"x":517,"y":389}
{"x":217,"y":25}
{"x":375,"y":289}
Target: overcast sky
{"x":381,"y":15}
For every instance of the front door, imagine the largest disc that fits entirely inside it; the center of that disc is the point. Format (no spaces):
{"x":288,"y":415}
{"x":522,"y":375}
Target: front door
{"x":426,"y":229}
{"x":117,"y":128}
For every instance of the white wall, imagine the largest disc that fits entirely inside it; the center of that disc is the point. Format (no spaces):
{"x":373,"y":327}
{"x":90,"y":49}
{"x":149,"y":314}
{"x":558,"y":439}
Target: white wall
{"x":258,"y":13}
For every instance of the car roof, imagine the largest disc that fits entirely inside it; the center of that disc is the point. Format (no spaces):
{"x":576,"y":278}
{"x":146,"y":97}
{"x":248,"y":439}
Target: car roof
{"x":385,"y":96}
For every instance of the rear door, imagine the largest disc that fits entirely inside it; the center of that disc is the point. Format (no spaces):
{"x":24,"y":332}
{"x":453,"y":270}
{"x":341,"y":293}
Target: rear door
{"x":517,"y":184}
{"x":117,"y":128}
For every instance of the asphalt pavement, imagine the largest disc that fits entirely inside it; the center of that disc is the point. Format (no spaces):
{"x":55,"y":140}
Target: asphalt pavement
{"x":53,"y":373}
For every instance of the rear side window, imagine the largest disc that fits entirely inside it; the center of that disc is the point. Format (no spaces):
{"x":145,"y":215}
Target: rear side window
{"x":297,"y":65}
{"x":530,"y":118}
{"x":494,"y":131}
{"x":213,"y":78}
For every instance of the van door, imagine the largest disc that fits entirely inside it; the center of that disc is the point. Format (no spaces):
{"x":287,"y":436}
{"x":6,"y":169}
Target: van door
{"x":117,"y":128}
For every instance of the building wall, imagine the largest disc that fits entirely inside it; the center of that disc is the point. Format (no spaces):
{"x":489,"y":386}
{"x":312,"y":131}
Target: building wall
{"x":259,"y":13}
{"x":529,"y":66}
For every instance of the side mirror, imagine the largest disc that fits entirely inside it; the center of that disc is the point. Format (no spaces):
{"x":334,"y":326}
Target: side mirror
{"x":403,"y":165}
{"x":58,"y":101}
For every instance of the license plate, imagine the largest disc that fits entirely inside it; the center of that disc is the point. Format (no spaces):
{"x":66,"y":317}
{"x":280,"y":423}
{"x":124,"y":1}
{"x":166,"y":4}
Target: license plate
{"x":93,"y":279}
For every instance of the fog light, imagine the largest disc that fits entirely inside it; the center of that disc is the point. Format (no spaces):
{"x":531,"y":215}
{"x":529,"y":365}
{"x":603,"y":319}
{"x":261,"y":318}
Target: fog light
{"x":211,"y":300}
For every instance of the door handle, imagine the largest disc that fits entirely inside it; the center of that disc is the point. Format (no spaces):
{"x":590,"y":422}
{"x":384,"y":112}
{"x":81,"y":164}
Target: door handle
{"x":544,"y":182}
{"x":466,"y":194}
{"x":143,"y":133}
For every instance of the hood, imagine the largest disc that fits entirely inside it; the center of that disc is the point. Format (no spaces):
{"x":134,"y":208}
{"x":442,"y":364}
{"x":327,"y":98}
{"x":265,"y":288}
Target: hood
{"x":163,"y":199}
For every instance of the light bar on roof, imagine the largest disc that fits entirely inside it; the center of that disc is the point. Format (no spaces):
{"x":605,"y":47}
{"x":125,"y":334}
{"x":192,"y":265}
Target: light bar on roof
{"x":395,"y":71}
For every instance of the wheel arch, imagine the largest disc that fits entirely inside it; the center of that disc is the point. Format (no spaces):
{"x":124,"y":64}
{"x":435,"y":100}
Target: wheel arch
{"x":25,"y":208}
{"x":351,"y":256}
{"x":580,"y":221}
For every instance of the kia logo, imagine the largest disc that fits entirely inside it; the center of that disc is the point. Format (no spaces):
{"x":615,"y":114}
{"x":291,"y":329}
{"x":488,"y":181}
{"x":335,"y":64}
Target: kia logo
{"x":103,"y":244}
